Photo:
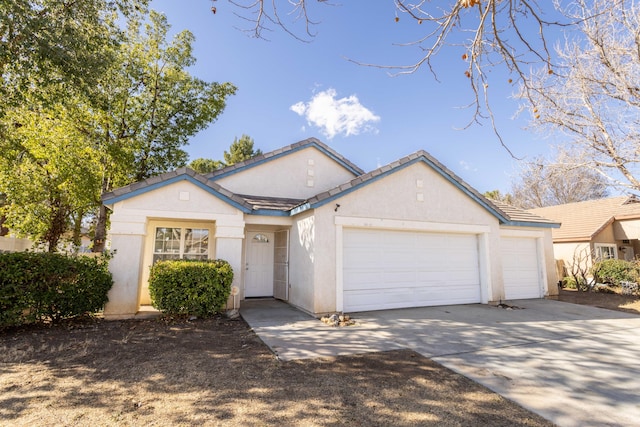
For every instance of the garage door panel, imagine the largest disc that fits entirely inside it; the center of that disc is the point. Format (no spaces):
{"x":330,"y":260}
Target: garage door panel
{"x":409,"y":269}
{"x":521,"y":268}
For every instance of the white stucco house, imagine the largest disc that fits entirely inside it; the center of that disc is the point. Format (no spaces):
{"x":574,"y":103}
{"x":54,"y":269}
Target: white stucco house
{"x":305,"y":225}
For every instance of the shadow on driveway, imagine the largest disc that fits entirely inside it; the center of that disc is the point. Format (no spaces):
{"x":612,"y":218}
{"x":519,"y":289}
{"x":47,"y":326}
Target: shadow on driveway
{"x":574,"y":365}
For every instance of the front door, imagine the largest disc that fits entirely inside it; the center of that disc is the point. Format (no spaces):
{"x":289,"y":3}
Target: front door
{"x":258,"y":280}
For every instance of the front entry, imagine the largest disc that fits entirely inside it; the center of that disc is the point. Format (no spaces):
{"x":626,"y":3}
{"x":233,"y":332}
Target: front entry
{"x":258,"y":280}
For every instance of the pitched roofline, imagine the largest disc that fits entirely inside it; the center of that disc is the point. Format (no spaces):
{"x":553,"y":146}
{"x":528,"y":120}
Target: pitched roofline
{"x":280,"y":152}
{"x":424,"y":157}
{"x":181,"y":174}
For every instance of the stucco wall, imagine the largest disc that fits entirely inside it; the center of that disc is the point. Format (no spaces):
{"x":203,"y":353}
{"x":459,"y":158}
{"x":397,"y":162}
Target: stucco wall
{"x":415,"y":193}
{"x":303,"y":255}
{"x":605,"y":236}
{"x":14,"y":244}
{"x":301,"y":174}
{"x":132,"y":224}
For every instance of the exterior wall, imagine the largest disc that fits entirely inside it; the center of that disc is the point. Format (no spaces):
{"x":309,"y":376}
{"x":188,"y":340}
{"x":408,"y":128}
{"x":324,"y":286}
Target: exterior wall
{"x":303,"y":255}
{"x":125,"y":267}
{"x":627,"y":229}
{"x":415,"y":197}
{"x":301,"y":174}
{"x":605,"y":236}
{"x":571,"y":252}
{"x":149,"y":241}
{"x":14,"y":244}
{"x":131,"y":234}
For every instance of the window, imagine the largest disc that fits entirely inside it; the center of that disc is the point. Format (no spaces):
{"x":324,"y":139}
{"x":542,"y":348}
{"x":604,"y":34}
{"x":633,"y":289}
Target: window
{"x":605,"y":252}
{"x":179,"y":242}
{"x":260,"y":238}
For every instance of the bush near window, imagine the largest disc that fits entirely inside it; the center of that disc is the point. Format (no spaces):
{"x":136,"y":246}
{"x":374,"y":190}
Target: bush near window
{"x":38,"y":287}
{"x":181,"y":287}
{"x":614,"y":271}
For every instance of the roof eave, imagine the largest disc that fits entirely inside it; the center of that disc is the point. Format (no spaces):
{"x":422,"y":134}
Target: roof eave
{"x":110,"y":201}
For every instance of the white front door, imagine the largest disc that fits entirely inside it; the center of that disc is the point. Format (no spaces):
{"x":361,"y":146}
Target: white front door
{"x":258,"y":280}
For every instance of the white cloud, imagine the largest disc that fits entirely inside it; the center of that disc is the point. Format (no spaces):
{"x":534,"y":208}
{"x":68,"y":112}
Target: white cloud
{"x":467,"y":166}
{"x":334,"y":116}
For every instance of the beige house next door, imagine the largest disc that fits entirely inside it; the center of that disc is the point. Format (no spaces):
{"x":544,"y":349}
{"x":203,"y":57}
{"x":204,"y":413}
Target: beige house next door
{"x":258,"y":281}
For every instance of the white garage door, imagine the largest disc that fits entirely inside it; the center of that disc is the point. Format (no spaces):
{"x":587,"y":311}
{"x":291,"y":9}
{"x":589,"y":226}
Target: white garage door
{"x":520,"y":268}
{"x":392,"y":269}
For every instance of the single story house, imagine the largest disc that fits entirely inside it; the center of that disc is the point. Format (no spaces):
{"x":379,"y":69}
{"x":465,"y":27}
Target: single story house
{"x":595,"y":230}
{"x":305,"y":225}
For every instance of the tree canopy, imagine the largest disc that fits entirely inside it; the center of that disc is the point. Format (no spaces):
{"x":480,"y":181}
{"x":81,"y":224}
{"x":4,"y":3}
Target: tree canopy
{"x":592,"y":102}
{"x":239,"y":151}
{"x":59,"y":153}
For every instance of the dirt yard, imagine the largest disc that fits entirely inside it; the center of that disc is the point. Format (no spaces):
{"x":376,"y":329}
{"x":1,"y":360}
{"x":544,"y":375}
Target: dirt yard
{"x":626,"y":303}
{"x":218,"y":372}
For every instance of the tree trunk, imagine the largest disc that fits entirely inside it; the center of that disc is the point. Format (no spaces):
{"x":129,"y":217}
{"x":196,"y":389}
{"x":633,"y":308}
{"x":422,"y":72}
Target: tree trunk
{"x":100,"y":237}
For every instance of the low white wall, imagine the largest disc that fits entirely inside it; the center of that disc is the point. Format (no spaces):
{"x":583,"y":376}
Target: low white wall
{"x":13,"y":244}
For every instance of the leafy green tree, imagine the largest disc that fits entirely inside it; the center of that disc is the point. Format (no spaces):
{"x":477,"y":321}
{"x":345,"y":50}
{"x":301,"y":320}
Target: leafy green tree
{"x":202,"y":165}
{"x":52,"y":44}
{"x":47,"y":172}
{"x":151,"y":105}
{"x":131,"y":124}
{"x":240,"y":150}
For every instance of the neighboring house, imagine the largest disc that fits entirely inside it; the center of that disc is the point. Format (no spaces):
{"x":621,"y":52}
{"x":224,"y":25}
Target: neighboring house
{"x":305,"y":225}
{"x":595,"y":230}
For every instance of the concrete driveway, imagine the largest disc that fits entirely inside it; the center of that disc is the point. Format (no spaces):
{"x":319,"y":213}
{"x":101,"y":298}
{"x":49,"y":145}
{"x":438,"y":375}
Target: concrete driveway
{"x":574,"y":365}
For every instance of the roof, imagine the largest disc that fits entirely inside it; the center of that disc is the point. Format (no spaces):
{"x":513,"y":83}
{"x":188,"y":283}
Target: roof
{"x":261,"y":205}
{"x":181,"y":174}
{"x":262,"y":158}
{"x":582,"y":221}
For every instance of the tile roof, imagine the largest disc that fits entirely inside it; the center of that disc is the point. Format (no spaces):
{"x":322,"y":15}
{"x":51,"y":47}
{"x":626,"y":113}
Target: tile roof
{"x":286,"y":206}
{"x":309,"y":142}
{"x":518,"y":215}
{"x":582,"y":221}
{"x":271,"y":203}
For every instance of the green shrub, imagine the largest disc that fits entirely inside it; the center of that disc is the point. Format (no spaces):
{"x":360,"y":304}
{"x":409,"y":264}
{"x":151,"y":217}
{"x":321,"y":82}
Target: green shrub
{"x":569,"y":283}
{"x":198,"y":288}
{"x":36,"y":287}
{"x":615,"y":271}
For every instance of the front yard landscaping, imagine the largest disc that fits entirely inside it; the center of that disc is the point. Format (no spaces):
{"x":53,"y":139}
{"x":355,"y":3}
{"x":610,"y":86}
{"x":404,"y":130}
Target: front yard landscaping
{"x":218,"y":372}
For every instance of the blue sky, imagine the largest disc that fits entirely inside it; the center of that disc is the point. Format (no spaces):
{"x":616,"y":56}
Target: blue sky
{"x":289,"y":90}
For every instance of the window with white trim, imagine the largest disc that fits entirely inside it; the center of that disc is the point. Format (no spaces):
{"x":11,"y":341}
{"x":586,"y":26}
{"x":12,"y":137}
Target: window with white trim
{"x":605,"y":251}
{"x":180,"y":242}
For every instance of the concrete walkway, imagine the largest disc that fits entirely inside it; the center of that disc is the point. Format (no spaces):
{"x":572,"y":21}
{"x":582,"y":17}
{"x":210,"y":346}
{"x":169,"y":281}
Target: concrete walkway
{"x":574,"y":365}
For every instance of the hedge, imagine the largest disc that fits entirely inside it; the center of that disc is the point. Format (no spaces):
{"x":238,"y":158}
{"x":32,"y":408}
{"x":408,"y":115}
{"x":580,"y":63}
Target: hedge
{"x":182,"y":287}
{"x":38,"y":287}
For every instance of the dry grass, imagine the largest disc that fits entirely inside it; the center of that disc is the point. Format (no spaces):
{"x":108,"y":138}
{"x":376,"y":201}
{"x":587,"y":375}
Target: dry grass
{"x":218,"y":372}
{"x":610,"y":301}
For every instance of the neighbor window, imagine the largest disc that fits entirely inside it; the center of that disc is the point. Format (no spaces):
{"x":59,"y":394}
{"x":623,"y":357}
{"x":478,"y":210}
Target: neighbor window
{"x":181,"y":242}
{"x":605,"y":252}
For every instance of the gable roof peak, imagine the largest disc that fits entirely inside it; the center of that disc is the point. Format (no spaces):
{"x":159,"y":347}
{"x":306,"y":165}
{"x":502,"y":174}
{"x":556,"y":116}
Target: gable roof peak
{"x":292,"y":148}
